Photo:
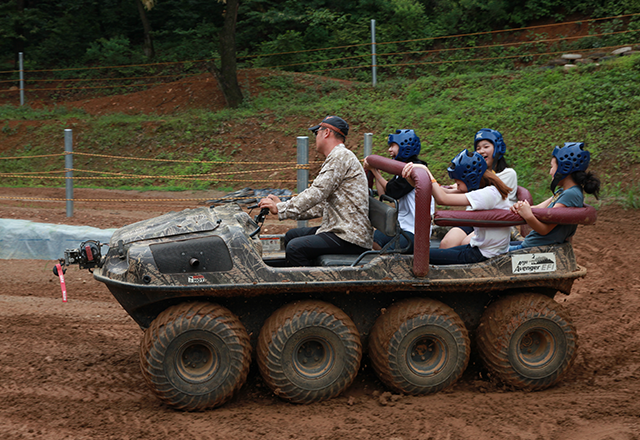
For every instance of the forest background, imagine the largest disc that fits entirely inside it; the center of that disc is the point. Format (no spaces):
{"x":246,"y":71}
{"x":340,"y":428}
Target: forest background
{"x":309,"y":59}
{"x":67,"y":33}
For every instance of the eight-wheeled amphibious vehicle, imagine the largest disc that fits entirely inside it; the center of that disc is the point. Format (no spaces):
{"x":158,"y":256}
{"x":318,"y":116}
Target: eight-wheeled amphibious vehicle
{"x":199,"y":285}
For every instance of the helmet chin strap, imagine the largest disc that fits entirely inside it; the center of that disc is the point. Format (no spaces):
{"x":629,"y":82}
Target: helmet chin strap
{"x":554,"y":183}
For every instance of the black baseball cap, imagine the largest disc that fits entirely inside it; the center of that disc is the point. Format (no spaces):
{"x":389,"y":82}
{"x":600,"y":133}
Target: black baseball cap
{"x":335,"y":123}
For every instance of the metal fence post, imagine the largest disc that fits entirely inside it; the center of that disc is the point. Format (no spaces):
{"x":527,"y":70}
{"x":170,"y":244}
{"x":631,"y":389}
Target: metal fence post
{"x":68,"y":166}
{"x":373,"y":52}
{"x":303,"y":174}
{"x":368,"y":144}
{"x":21,"y":65}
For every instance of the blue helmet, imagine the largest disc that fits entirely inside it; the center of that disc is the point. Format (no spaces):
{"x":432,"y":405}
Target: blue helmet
{"x":495,"y":137}
{"x":468,"y":167}
{"x":571,"y":158}
{"x":409,"y":144}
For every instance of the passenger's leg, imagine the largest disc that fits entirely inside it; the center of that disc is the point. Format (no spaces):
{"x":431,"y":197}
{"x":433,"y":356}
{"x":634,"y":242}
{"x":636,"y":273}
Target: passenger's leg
{"x":455,"y":237}
{"x":301,"y":251}
{"x":404,"y":242}
{"x":381,"y":240}
{"x":456,"y":255}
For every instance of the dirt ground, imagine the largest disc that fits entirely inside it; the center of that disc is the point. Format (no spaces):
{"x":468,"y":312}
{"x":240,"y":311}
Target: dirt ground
{"x":70,"y":370}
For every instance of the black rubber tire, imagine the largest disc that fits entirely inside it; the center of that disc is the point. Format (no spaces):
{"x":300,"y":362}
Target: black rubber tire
{"x":406,"y":331}
{"x":309,"y":351}
{"x":195,"y":356}
{"x":527,"y":341}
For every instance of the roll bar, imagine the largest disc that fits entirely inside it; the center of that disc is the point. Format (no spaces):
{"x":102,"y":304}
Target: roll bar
{"x":423,"y":210}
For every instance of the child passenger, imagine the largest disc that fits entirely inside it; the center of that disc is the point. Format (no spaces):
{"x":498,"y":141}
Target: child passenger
{"x":569,"y":171}
{"x":479,"y":189}
{"x":404,"y":146}
{"x":490,"y":144}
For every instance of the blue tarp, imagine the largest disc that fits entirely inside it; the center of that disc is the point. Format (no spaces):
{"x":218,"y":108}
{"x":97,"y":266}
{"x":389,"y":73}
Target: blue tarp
{"x":27,"y":240}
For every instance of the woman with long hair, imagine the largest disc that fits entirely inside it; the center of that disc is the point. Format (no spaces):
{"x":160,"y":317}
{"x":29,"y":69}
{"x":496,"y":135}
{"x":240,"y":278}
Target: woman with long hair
{"x":570,"y":176}
{"x":480,"y":189}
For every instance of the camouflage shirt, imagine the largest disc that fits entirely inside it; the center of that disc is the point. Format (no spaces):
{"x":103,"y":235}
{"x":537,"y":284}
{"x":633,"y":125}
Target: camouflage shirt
{"x":340,"y":195}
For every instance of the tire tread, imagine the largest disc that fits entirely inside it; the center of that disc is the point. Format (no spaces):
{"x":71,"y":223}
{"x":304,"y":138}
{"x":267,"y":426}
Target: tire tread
{"x":502,"y":318}
{"x":386,"y":333}
{"x":182,"y":317}
{"x":280,"y":326}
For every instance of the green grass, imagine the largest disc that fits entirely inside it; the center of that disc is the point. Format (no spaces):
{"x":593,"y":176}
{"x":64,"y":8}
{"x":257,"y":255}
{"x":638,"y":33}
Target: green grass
{"x":60,"y":113}
{"x":535,"y":109}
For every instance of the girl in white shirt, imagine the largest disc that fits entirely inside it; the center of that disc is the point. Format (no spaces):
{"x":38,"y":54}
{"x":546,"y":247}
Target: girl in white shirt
{"x":479,"y":189}
{"x":404,"y":146}
{"x":490,"y":144}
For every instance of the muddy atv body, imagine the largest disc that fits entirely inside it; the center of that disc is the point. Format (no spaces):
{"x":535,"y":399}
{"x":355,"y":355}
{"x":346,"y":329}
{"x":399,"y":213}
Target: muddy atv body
{"x":199,"y":284}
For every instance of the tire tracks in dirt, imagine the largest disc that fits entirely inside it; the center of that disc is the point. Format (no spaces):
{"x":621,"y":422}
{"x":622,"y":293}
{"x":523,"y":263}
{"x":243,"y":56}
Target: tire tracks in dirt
{"x":71,"y":370}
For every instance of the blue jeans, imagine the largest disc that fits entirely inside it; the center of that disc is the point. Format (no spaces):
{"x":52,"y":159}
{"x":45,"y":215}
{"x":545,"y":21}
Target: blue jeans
{"x":464,"y":254}
{"x":383,"y":239}
{"x":303,"y":245}
{"x":515,"y":247}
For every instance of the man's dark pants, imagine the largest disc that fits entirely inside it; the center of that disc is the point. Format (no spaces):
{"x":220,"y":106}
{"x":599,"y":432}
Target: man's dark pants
{"x":303,"y":246}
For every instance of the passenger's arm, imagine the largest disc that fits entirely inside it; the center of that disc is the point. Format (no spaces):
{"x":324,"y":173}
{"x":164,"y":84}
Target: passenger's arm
{"x":544,"y":204}
{"x":381,"y":182}
{"x":408,"y":168}
{"x":449,"y":199}
{"x":442,"y":197}
{"x":524,"y":210}
{"x":453,"y":189}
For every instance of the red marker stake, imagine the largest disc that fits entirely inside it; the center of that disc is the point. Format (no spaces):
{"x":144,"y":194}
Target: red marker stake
{"x":63,"y":286}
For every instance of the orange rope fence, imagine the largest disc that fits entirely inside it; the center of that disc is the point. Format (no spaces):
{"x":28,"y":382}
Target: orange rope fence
{"x":108,"y":79}
{"x":183,"y":160}
{"x":33,"y":157}
{"x":106,"y":67}
{"x":355,"y":67}
{"x":512,"y":30}
{"x":62,"y":199}
{"x":331,"y":59}
{"x":339,"y":47}
{"x":466,"y":60}
{"x":453,"y":49}
{"x":61,"y":89}
{"x":549,"y":40}
{"x":490,"y":58}
{"x":77,"y":153}
{"x":147,"y":177}
{"x":199,"y":177}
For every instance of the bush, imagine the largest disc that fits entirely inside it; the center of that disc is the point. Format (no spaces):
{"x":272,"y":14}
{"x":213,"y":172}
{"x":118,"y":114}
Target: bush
{"x":115,"y":51}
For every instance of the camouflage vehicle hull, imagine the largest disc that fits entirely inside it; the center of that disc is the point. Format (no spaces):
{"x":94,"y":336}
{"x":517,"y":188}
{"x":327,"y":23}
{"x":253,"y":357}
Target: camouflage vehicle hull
{"x":155,"y":272}
{"x":175,"y":271}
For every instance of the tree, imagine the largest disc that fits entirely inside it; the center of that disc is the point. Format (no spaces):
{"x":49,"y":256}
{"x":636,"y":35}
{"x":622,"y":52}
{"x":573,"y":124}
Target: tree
{"x":226,"y":75}
{"x":148,"y":42}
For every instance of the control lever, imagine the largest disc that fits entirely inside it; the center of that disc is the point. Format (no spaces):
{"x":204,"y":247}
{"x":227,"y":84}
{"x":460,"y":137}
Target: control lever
{"x":259,"y":219}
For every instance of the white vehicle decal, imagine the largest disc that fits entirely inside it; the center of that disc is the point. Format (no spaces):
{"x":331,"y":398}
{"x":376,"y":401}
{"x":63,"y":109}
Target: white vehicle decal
{"x":533,"y":263}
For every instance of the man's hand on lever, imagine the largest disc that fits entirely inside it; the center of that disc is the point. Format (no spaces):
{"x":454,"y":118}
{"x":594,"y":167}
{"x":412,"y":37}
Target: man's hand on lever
{"x":270,"y":202}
